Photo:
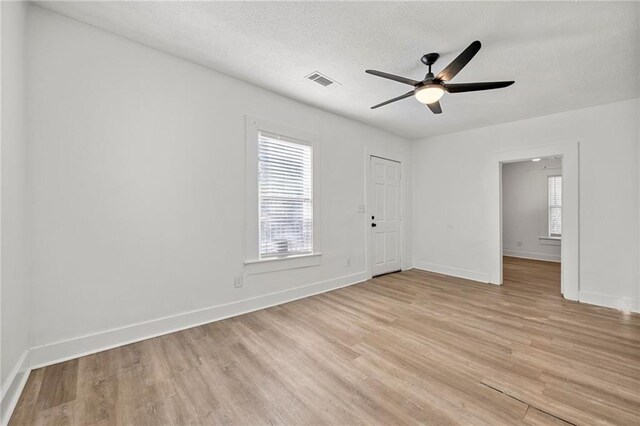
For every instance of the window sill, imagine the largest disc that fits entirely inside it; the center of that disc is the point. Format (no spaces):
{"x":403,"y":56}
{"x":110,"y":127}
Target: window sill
{"x":261,"y":266}
{"x":550,"y":241}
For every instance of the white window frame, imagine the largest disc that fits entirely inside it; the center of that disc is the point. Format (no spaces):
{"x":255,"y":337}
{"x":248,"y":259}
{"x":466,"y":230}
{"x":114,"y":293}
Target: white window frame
{"x":549,"y":207}
{"x":253,"y":262}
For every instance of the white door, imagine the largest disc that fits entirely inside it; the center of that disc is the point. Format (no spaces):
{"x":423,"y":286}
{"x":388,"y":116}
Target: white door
{"x":385,"y":216}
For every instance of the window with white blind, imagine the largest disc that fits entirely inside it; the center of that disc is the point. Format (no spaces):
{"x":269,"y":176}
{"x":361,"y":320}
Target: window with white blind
{"x":554,"y":185}
{"x":285,"y":196}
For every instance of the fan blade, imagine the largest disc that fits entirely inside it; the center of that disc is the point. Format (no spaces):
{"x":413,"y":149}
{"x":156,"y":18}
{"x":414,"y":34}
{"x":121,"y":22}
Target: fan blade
{"x":460,"y":62}
{"x":474,"y":87}
{"x":393,"y":77}
{"x":406,"y":95}
{"x":435,"y":107}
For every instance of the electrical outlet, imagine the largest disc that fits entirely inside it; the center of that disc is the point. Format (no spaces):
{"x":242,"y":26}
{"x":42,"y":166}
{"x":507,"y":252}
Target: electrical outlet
{"x":348,"y":261}
{"x":237,"y":281}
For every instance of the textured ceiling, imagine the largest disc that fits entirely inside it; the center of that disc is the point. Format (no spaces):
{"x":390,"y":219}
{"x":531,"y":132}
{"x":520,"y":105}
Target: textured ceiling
{"x":562,"y":56}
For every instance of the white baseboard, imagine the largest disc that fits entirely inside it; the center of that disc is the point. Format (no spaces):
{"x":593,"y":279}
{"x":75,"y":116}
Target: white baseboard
{"x":12,"y":387}
{"x":531,"y":255}
{"x":621,"y":303}
{"x":53,"y":353}
{"x":454,"y":272}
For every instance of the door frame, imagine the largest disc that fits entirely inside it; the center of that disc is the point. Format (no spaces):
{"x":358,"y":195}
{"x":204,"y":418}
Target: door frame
{"x":369,"y":211}
{"x":570,"y":246}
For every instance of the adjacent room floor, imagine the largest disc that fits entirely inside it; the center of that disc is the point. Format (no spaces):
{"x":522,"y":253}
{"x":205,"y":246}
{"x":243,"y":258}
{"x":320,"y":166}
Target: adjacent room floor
{"x":412,"y":347}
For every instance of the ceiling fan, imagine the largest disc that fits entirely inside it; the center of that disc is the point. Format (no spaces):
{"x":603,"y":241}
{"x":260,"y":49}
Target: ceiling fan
{"x":430,"y":90}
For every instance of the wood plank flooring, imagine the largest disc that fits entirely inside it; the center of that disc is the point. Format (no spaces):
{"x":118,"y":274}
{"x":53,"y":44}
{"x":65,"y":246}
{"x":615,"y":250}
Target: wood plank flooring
{"x":406,"y":348}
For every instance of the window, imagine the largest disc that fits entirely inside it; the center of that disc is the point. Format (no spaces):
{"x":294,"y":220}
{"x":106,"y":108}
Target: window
{"x":285,"y":196}
{"x":282,"y":197}
{"x":554,"y":185}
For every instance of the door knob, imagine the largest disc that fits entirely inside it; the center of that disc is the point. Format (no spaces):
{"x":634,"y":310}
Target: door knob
{"x":373,"y":225}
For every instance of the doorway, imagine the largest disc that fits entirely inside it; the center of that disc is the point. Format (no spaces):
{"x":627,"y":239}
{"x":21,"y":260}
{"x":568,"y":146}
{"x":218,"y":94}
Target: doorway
{"x":570,"y":246}
{"x":386,"y":232}
{"x":532,"y":224}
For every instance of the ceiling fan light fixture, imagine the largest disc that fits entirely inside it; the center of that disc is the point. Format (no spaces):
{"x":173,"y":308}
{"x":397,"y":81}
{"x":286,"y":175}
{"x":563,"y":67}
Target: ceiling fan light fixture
{"x":429,"y":93}
{"x":429,"y":90}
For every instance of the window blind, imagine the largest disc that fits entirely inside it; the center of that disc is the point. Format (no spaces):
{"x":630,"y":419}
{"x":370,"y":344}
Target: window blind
{"x":285,"y":196}
{"x":555,"y":205}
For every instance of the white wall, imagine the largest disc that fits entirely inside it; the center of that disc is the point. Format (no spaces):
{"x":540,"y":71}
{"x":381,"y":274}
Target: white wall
{"x":14,"y":280}
{"x":138,"y":189}
{"x":452,"y":178}
{"x":525,"y":209}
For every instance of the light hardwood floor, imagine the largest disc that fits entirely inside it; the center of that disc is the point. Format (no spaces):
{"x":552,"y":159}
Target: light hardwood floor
{"x":412,"y":347}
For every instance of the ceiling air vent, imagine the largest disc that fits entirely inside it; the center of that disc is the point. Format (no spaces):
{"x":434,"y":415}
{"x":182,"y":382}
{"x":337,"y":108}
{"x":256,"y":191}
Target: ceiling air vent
{"x":321,"y":79}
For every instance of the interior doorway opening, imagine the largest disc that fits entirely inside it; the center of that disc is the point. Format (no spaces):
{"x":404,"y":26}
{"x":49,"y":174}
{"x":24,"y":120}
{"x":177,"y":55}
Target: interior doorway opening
{"x":532,"y":220}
